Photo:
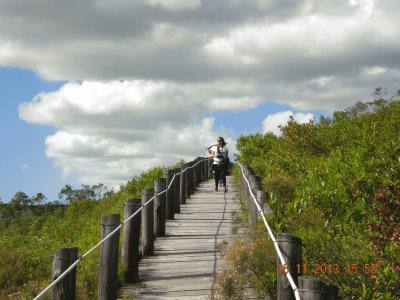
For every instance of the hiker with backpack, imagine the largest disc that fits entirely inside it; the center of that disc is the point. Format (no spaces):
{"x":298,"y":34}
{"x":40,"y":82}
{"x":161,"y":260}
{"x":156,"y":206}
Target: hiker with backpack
{"x":219,"y":153}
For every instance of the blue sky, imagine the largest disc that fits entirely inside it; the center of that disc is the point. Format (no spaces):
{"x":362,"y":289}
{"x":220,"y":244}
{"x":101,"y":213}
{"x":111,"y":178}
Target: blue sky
{"x":27,"y":168}
{"x":123,"y":86}
{"x":24,"y":166}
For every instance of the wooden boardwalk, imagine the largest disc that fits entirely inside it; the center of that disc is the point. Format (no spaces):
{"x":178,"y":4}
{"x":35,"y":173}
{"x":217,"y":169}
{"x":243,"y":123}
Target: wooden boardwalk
{"x":187,"y":258}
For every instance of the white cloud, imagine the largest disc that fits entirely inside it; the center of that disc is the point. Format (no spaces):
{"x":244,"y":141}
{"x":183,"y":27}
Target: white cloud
{"x":176,"y":5}
{"x":143,"y":73}
{"x":273,"y":122}
{"x":108,"y":132}
{"x":375,"y":70}
{"x":229,"y":104}
{"x":276,"y":48}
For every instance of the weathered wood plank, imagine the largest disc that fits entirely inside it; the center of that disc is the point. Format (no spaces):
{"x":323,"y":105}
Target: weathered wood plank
{"x":188,"y":257}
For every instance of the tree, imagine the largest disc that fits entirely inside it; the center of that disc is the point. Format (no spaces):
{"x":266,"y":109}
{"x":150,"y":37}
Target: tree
{"x":97,"y":191}
{"x":66,"y":194}
{"x":38,"y":199}
{"x":20,"y":198}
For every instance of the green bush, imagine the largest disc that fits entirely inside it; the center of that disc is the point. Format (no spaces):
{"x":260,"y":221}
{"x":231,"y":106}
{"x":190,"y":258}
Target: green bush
{"x":336,"y":185}
{"x":29,"y":242}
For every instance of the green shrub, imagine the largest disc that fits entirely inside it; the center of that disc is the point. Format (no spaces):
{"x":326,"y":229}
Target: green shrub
{"x":336,"y":185}
{"x":29,"y":242}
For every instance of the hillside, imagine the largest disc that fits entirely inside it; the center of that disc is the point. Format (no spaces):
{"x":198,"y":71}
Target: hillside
{"x":336,"y":185}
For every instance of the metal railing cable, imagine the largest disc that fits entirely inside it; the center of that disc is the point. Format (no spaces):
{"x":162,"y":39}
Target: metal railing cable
{"x":271,"y":235}
{"x":80,"y":258}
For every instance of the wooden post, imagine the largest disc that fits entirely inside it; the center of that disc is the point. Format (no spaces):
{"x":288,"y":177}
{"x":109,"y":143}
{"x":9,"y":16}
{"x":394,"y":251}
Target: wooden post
{"x":197,"y":172}
{"x":292,"y":253}
{"x":159,"y":207}
{"x":176,"y":203}
{"x":205,"y":169}
{"x":313,"y":288}
{"x":209,"y":164}
{"x":253,"y":215}
{"x":262,"y":201}
{"x":192,"y":177}
{"x":333,"y":292}
{"x":202,"y":168}
{"x":148,"y":223}
{"x":252,"y":205}
{"x":169,"y":214}
{"x":62,"y":259}
{"x":187,"y":180}
{"x":246,"y":193}
{"x":182,"y":191}
{"x":200,"y":165}
{"x":108,"y":267}
{"x":253,"y":184}
{"x":244,"y":184}
{"x":130,"y":244}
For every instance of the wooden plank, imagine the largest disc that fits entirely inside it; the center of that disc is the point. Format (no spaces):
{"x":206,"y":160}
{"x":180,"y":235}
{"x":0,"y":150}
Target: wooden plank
{"x":187,"y":258}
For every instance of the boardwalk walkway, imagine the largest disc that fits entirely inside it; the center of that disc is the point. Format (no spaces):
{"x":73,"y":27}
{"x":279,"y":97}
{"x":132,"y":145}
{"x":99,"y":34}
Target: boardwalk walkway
{"x":187,"y":258}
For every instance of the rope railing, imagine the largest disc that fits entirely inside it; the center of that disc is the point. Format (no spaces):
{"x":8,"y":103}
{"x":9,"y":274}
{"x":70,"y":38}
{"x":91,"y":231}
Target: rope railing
{"x":271,"y":235}
{"x":80,"y":258}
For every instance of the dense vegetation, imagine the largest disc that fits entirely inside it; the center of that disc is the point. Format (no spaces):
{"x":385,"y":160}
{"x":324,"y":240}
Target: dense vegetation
{"x":30,"y":234}
{"x":336,"y":185}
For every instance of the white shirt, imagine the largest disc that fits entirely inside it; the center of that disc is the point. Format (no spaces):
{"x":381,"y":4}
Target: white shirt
{"x":224,"y":153}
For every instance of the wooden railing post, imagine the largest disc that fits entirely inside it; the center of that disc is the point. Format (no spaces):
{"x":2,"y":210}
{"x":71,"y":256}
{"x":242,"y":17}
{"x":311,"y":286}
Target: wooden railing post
{"x":187,"y":180}
{"x":290,"y":247}
{"x":262,"y":201}
{"x":207,"y":168}
{"x":192,"y":177}
{"x":159,"y":207}
{"x":313,"y":288}
{"x":108,"y":266}
{"x":197,"y":172}
{"x":252,"y":206}
{"x":148,"y":223}
{"x":202,"y":167}
{"x":246,"y":193}
{"x":130,"y":244}
{"x":182,"y":191}
{"x":169,"y":214}
{"x":176,"y":203}
{"x":333,"y":292}
{"x":62,"y":259}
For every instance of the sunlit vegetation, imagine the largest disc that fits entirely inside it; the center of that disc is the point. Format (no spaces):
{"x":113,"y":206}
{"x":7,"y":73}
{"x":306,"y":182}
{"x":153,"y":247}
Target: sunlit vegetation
{"x":336,"y":185}
{"x":31,"y":232}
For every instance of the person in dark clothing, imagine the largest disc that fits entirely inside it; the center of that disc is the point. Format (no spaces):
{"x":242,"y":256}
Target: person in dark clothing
{"x":219,"y":153}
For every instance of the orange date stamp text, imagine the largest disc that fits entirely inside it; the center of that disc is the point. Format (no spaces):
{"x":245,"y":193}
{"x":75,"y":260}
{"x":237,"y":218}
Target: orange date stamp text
{"x":330,"y":268}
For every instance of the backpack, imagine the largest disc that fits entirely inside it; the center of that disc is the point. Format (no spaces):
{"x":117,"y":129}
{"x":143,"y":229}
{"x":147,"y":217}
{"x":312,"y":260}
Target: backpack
{"x":225,"y":160}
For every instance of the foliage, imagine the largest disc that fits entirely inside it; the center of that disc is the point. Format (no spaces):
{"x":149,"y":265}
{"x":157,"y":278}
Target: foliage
{"x":250,"y":267}
{"x":30,"y":234}
{"x":97,"y":191}
{"x":336,"y":184}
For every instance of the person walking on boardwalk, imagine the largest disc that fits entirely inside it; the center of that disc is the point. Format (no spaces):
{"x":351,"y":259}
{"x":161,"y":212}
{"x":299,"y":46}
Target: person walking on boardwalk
{"x":219,"y":153}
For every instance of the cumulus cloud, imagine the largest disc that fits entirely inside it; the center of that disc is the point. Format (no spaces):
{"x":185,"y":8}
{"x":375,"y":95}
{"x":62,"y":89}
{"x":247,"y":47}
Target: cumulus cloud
{"x":273,"y":122}
{"x":142,"y":74}
{"x":308,"y":54}
{"x":176,"y":5}
{"x":109,"y":131}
